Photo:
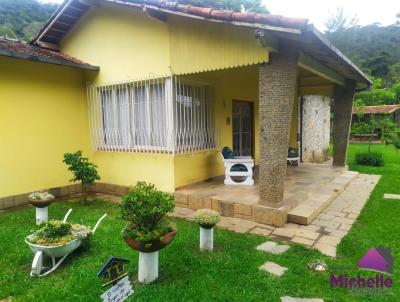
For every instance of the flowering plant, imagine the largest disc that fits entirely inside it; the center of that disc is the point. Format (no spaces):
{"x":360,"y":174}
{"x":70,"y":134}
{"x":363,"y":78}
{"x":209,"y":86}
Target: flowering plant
{"x":56,"y":232}
{"x":41,"y":196}
{"x":206,"y":218}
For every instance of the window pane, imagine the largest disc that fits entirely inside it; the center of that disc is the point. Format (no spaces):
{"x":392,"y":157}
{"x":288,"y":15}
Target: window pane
{"x":158,"y":115}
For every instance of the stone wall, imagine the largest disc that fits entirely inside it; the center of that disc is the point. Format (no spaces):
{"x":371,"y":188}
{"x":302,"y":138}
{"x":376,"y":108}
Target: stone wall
{"x":315,"y":128}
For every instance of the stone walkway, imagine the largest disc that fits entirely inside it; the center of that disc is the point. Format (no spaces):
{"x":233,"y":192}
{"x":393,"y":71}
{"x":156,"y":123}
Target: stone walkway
{"x":324,"y":233}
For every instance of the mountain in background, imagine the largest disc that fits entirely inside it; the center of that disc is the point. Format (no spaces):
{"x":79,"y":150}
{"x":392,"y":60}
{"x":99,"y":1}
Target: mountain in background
{"x":23,"y":18}
{"x":374,"y":48}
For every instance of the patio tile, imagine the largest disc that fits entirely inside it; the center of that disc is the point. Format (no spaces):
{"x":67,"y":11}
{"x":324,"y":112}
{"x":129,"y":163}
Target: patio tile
{"x":336,"y":232}
{"x":261,"y":231}
{"x":273,"y":247}
{"x":303,"y":241}
{"x":284,"y":232}
{"x":326,"y":249}
{"x":345,"y":227}
{"x":273,"y":268}
{"x":292,"y":299}
{"x":181,"y":212}
{"x":307,"y":234}
{"x":391,"y":196}
{"x":329,"y":240}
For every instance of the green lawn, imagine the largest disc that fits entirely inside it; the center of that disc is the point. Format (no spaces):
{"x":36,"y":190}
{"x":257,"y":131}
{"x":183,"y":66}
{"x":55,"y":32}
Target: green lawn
{"x":229,"y":274}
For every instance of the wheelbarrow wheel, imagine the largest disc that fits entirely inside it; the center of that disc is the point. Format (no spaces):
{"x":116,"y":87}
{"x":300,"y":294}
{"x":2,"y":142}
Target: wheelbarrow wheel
{"x":37,"y":264}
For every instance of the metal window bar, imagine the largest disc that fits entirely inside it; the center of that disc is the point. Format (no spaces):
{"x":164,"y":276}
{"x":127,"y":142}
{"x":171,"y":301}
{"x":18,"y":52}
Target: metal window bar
{"x":163,"y":114}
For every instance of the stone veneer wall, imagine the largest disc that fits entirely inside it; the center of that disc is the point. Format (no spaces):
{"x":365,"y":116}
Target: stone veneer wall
{"x":316,"y":128}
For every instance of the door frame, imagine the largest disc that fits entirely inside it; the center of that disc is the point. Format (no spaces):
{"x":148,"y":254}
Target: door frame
{"x":252,"y":124}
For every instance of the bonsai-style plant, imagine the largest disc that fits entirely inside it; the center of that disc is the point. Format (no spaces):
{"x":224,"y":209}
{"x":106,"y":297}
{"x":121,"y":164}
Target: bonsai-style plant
{"x":207,"y":219}
{"x":147,"y":230}
{"x":56,"y":233}
{"x":83,"y":170}
{"x":41,"y":201}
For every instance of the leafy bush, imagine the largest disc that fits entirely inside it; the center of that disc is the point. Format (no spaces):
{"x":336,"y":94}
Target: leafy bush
{"x":83,"y":170}
{"x":374,"y":159}
{"x":206,"y":218}
{"x":56,"y":232}
{"x":144,"y":208}
{"x":360,"y":128}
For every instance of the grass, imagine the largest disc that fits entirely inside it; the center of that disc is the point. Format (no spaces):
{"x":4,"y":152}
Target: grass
{"x":229,"y":274}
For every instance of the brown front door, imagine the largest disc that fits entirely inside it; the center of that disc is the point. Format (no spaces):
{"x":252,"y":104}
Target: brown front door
{"x":242,"y":128}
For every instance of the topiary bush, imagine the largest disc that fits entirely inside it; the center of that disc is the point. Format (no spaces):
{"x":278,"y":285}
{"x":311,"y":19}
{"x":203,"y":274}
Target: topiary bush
{"x":82,"y":169}
{"x":144,"y":209}
{"x":374,"y":159}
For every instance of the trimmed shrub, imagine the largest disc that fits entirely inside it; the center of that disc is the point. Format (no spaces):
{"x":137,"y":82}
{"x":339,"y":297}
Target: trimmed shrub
{"x":374,"y":159}
{"x":144,"y":209}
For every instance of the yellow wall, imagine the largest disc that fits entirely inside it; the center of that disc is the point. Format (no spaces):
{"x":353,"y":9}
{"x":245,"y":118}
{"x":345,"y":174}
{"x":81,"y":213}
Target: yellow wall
{"x":230,"y":84}
{"x":126,"y":168}
{"x":198,"y":46}
{"x":43,"y":114}
{"x":128,"y":45}
{"x":125,"y":43}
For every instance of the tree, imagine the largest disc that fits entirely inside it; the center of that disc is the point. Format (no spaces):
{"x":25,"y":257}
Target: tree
{"x":83,"y":170}
{"x":338,"y":21}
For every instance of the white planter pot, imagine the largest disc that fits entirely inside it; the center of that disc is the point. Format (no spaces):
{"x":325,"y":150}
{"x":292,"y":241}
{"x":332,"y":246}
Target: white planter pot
{"x":206,"y":239}
{"x":148,"y":267}
{"x":42,"y":215}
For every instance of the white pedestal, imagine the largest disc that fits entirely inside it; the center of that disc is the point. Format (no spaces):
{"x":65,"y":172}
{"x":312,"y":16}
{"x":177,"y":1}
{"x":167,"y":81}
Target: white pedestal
{"x":206,"y":239}
{"x":42,"y":215}
{"x":148,"y":267}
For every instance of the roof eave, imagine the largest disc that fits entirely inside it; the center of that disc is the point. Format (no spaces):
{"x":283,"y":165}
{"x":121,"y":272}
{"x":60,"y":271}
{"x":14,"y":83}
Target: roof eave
{"x":43,"y":59}
{"x":339,"y":54}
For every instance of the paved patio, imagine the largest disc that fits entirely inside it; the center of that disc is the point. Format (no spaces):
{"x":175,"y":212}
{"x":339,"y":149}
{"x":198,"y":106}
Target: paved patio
{"x":324,"y":233}
{"x":309,"y":189}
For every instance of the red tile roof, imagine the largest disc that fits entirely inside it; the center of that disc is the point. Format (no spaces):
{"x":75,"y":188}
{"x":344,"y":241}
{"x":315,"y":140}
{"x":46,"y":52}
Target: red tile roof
{"x":224,"y":15}
{"x":383,"y":109}
{"x":23,"y":50}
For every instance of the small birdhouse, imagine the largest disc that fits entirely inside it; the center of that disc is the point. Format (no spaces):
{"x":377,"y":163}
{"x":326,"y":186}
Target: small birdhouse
{"x":113,"y":270}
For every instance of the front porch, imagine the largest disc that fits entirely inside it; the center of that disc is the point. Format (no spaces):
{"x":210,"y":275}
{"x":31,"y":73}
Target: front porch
{"x":308,"y":190}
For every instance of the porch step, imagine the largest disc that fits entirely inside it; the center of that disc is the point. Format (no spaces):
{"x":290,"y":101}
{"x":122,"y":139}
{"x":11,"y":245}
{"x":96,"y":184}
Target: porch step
{"x":309,"y":209}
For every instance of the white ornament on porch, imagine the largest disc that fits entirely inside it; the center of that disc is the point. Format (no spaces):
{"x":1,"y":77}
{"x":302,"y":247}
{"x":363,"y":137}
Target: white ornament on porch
{"x":230,"y":172}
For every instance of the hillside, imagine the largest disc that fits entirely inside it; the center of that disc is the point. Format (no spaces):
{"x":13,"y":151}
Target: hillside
{"x":23,"y":18}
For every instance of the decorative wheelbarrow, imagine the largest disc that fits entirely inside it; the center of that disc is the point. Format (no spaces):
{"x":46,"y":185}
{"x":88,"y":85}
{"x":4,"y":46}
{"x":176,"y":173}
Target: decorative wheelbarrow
{"x":61,"y":251}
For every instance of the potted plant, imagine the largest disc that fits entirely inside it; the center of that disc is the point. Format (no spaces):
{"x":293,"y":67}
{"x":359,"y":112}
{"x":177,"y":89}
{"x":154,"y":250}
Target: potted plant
{"x":83,"y":170}
{"x":207,"y":219}
{"x":147,"y":230}
{"x":41,"y":201}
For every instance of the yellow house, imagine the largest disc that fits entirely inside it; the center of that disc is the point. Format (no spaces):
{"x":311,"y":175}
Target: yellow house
{"x":153,"y":90}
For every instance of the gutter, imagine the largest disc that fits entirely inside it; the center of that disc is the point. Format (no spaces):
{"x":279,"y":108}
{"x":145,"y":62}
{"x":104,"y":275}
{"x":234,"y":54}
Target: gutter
{"x":43,"y":59}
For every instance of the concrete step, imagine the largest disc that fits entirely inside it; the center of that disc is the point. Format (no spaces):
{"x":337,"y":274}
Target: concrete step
{"x":310,"y":208}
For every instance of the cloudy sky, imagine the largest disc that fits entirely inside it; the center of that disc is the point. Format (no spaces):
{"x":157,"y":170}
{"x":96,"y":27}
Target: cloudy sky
{"x":317,"y":11}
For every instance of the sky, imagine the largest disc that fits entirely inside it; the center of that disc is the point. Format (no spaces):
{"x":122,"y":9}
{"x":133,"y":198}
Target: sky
{"x":317,"y":11}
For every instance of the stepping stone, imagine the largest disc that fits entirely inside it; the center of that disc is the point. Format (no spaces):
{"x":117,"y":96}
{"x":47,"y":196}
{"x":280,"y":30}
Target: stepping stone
{"x":272,"y":247}
{"x":273,"y":268}
{"x":291,"y":299}
{"x":391,"y":196}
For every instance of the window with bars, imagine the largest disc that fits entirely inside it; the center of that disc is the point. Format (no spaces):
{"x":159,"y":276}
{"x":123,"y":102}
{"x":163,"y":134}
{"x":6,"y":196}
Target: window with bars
{"x":154,"y":115}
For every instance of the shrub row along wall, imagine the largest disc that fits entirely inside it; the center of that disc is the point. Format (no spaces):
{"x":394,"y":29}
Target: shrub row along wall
{"x":316,"y":128}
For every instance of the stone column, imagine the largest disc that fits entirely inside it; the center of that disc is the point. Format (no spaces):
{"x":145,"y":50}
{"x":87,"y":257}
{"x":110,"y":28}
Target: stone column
{"x":277,"y":92}
{"x":316,"y":128}
{"x":342,"y":107}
